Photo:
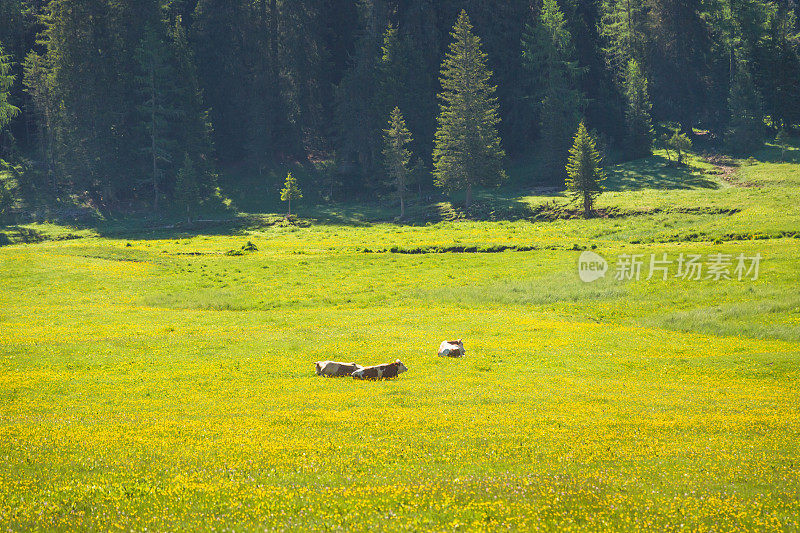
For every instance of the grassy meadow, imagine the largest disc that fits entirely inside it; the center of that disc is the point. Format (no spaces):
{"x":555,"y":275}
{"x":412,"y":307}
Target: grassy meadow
{"x":163,"y":379}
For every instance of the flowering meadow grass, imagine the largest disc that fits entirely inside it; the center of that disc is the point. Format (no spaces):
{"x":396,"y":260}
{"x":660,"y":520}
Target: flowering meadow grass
{"x":158,"y":383}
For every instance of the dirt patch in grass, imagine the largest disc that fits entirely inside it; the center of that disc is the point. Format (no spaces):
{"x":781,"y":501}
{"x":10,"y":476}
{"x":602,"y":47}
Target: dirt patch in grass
{"x":458,"y":249}
{"x":726,"y":168}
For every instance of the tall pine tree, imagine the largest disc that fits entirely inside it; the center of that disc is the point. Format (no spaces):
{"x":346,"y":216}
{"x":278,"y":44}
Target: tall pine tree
{"x":407,"y":82}
{"x":623,"y":27}
{"x":746,"y":127}
{"x":679,"y":50}
{"x":780,"y":68}
{"x":38,"y":83}
{"x":89,"y":78}
{"x":191,"y":127}
{"x":359,"y":108}
{"x":228,"y":55}
{"x":158,"y":93}
{"x":637,"y":112}
{"x":549,"y":53}
{"x":584,"y":171}
{"x":467,"y":150}
{"x":396,"y":155}
{"x":7,"y":111}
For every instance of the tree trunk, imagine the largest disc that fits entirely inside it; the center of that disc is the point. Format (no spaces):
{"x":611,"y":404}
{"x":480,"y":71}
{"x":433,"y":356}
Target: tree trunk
{"x":587,"y":206}
{"x":402,"y":206}
{"x":468,"y":200}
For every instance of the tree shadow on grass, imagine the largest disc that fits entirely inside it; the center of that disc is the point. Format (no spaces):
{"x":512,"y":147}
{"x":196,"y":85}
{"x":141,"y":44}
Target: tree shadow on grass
{"x":772,"y":153}
{"x":656,"y":172}
{"x":136,"y":228}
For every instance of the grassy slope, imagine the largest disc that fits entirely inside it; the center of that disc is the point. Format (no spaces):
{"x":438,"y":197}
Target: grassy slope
{"x":141,"y":386}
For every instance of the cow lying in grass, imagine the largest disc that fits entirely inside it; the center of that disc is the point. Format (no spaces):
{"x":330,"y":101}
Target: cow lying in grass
{"x":452,"y":349}
{"x":386,"y":371}
{"x":334,"y":369}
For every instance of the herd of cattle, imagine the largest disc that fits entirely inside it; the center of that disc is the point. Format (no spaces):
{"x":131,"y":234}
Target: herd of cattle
{"x":385,"y":371}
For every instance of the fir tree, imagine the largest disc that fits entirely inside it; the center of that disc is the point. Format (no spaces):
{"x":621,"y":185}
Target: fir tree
{"x":637,"y":112}
{"x":779,"y":70}
{"x":746,"y":126}
{"x":93,"y":93}
{"x":7,"y":111}
{"x":269,"y":131}
{"x":782,"y":141}
{"x":192,"y":127}
{"x":6,"y":202}
{"x":228,"y":43}
{"x":157,"y":88}
{"x":396,"y":157}
{"x":467,"y":150}
{"x":623,"y":27}
{"x":549,"y":53}
{"x":291,"y":191}
{"x":187,"y":189}
{"x":408,"y":81}
{"x":584,"y":171}
{"x":678,"y":48}
{"x":359,"y":110}
{"x":37,"y":80}
{"x":680,"y":143}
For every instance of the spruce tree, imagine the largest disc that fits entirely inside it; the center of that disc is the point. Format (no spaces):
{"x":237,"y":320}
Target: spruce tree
{"x":680,"y":143}
{"x":467,"y":150}
{"x":678,"y":41}
{"x":268,"y":130}
{"x":396,"y":157}
{"x":359,"y":110}
{"x":157,"y":89}
{"x":38,"y":82}
{"x":7,"y":111}
{"x":623,"y":27}
{"x":291,"y":191}
{"x":191,"y":128}
{"x":187,"y":189}
{"x":407,"y":82}
{"x":93,"y":92}
{"x":584,"y":171}
{"x":746,"y":127}
{"x":637,"y":112}
{"x":549,"y":54}
{"x":782,"y":141}
{"x":218,"y":33}
{"x":780,"y":67}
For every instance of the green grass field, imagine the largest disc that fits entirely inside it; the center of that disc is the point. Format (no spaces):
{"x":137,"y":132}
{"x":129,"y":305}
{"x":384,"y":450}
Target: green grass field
{"x":159,"y":379}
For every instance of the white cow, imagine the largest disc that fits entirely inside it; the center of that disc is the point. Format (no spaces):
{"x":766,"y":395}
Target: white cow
{"x":385,"y":371}
{"x":335,"y":369}
{"x":452,"y":349}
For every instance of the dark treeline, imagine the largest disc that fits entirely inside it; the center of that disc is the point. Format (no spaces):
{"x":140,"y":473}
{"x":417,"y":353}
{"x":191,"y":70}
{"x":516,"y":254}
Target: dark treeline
{"x":124,"y":99}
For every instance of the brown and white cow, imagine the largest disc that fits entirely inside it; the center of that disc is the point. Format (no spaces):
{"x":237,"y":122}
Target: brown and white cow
{"x":335,"y":369}
{"x":452,"y":349}
{"x":385,"y":371}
